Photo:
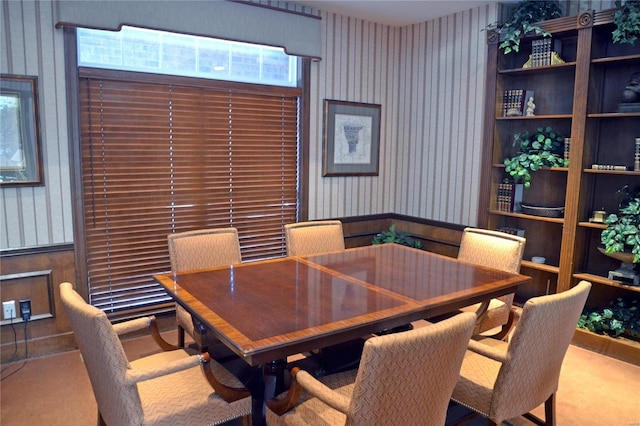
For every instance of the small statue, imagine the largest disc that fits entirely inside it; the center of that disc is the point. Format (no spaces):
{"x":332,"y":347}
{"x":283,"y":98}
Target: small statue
{"x":630,"y":99}
{"x":631,"y":92}
{"x":530,"y":108}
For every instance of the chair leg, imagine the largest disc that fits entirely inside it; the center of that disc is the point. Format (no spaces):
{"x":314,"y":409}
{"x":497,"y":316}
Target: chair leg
{"x":550,"y":410}
{"x":245,"y":421}
{"x":549,"y":413}
{"x":180,"y":337}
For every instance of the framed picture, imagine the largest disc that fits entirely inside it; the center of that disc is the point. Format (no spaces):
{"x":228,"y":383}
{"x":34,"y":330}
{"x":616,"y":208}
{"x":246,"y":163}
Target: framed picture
{"x":20,"y":162}
{"x":351,"y":138}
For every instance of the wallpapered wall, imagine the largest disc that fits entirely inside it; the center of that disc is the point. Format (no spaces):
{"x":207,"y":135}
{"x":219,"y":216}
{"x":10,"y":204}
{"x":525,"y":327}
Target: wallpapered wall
{"x":429,"y":80}
{"x":428,"y":77}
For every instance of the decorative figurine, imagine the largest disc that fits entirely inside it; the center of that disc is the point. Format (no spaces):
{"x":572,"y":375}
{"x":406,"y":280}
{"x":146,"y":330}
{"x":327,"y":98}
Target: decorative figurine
{"x":631,"y":95}
{"x":530,"y":107}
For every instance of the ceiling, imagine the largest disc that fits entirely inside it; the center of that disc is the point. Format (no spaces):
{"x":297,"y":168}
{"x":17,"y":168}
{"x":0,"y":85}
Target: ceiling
{"x":395,"y":13}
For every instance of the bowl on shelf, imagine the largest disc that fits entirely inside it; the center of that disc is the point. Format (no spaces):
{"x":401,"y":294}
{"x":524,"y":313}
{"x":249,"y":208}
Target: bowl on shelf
{"x":545,"y":211}
{"x":626,"y":257}
{"x":626,"y":273}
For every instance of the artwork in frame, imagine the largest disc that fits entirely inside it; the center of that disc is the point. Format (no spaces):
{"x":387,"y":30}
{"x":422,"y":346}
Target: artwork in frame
{"x":351,"y":138}
{"x":20,"y":162}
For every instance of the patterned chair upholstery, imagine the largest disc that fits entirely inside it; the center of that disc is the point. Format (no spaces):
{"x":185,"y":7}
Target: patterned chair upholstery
{"x":307,"y":238}
{"x":201,"y":249}
{"x":496,"y":250}
{"x":502,"y":380}
{"x":166,"y":388}
{"x":404,"y":378}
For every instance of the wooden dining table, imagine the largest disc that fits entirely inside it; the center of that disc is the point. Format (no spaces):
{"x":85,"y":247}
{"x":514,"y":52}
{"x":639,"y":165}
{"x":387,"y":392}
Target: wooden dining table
{"x":268,"y":310}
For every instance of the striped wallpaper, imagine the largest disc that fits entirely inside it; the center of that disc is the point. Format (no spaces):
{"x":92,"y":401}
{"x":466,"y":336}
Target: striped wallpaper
{"x":428,"y":78}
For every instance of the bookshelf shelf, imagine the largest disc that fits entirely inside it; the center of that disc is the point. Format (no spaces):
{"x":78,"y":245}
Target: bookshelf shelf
{"x":536,"y":117}
{"x":604,"y":281}
{"x":540,"y":266}
{"x":566,"y":67}
{"x":528,"y":216}
{"x":613,"y":172}
{"x":593,"y":225}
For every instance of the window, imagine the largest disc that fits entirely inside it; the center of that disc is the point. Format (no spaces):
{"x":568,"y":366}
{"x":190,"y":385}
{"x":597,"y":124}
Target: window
{"x":138,"y":49}
{"x":163,"y":154}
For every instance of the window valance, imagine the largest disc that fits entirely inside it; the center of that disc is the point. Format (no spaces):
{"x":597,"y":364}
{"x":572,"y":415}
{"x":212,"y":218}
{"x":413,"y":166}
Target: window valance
{"x":298,"y":33}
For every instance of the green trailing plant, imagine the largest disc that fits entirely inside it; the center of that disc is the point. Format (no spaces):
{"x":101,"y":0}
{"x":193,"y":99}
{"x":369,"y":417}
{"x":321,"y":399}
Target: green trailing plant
{"x":523,"y":21}
{"x":398,"y":237}
{"x":623,"y":229}
{"x":544,"y":148}
{"x":627,"y":22}
{"x":622,"y":317}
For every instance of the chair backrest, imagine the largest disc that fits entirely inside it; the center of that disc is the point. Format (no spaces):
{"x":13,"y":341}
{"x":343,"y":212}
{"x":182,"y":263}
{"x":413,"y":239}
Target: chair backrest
{"x":307,"y":238}
{"x":408,"y":377}
{"x":204,"y":248}
{"x":493,"y":249}
{"x":104,"y":359}
{"x":536,"y":351}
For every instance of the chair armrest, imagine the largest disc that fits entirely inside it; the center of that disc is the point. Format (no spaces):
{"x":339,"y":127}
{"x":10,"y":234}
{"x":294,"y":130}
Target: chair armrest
{"x":322,"y":392}
{"x":488,"y":351}
{"x":289,"y":399}
{"x":227,"y":393}
{"x":145,"y":322}
{"x":131,"y":325}
{"x":142,"y":374}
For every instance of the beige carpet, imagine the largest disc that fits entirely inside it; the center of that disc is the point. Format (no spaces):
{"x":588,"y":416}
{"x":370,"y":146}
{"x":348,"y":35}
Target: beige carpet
{"x":55,"y":390}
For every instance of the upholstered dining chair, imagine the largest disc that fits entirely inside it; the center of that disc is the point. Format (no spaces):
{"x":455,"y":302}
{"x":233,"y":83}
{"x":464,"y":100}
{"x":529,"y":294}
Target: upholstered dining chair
{"x":497,"y":250}
{"x":167,"y":388}
{"x":403,"y":378}
{"x":501,"y":380}
{"x":201,"y":249}
{"x":307,"y":238}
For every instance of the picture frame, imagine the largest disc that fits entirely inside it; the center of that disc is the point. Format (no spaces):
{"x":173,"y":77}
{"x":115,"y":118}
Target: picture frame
{"x":351,"y":138}
{"x":20,"y":162}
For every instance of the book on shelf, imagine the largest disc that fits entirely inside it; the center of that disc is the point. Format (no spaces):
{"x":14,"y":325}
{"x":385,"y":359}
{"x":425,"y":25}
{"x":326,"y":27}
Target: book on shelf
{"x":542,"y":51}
{"x":514,"y":101}
{"x":608,"y":167}
{"x":513,"y":231}
{"x":567,"y":148}
{"x":510,"y":197}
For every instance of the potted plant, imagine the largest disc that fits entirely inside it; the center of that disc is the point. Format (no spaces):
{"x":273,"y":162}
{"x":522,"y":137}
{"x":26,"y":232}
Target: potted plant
{"x":620,"y":318}
{"x":523,"y":21}
{"x":544,"y":148}
{"x":627,"y":22}
{"x":622,"y":234}
{"x":398,"y":237}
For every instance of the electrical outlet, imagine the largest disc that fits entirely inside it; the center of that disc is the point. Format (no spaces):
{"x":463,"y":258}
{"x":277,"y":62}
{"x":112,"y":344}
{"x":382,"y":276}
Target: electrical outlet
{"x":25,"y":309}
{"x":9,"y":309}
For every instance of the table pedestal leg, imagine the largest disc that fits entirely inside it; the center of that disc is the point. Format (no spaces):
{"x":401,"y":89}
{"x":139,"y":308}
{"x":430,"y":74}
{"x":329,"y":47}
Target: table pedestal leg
{"x":266,"y":382}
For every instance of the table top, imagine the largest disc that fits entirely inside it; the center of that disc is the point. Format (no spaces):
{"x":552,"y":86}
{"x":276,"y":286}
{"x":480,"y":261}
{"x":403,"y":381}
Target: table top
{"x":271,"y":309}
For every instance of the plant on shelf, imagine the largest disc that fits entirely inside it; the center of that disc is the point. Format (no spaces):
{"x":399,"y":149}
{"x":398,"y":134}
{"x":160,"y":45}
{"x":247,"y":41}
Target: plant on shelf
{"x":544,"y":148}
{"x":623,"y":229}
{"x":627,"y":22}
{"x":621,"y":318}
{"x":398,"y":237}
{"x":523,"y":21}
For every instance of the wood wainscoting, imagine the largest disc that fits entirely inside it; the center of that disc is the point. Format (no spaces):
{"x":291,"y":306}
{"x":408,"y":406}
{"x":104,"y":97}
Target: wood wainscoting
{"x":35,"y":274}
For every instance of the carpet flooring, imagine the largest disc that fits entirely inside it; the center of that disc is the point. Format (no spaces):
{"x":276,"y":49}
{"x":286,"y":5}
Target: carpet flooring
{"x":595,"y":390}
